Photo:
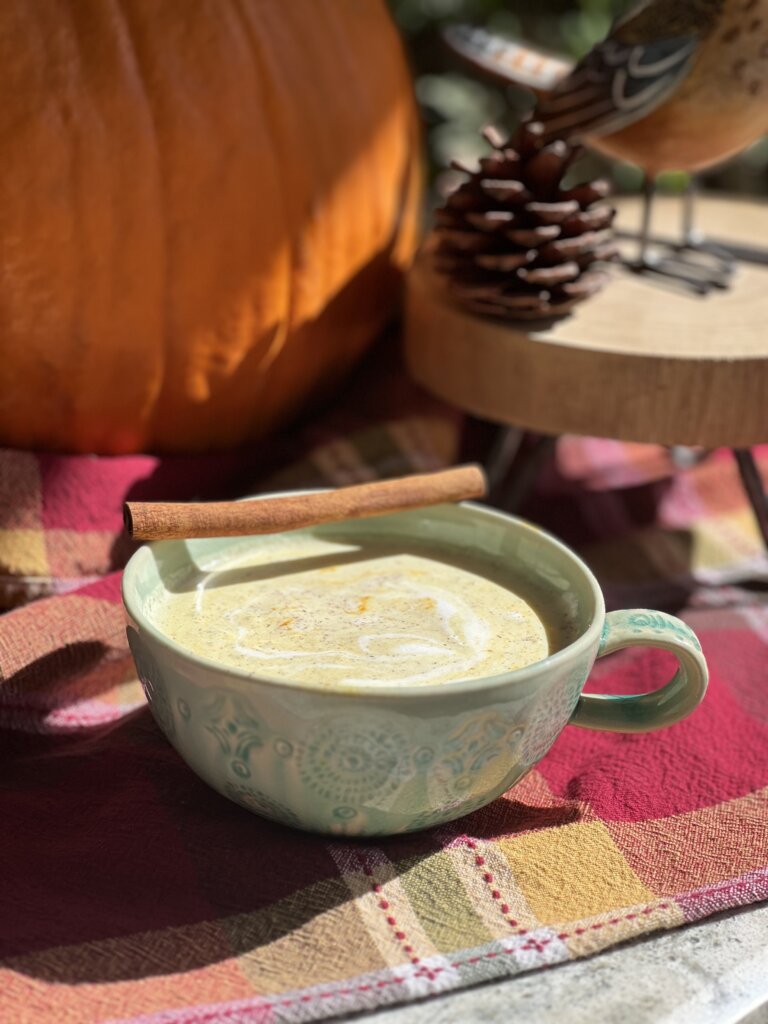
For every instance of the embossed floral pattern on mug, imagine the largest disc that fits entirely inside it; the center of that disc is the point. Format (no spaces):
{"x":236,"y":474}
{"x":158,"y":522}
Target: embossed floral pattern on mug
{"x":350,"y":761}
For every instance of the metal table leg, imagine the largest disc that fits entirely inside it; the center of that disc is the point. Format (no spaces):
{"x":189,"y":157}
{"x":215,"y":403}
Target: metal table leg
{"x":512,"y":459}
{"x":753,"y":485}
{"x":501,"y":458}
{"x":514,"y":466}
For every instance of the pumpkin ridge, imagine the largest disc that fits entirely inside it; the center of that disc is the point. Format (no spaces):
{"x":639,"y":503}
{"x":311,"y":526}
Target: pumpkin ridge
{"x":280,"y":336}
{"x":147,"y":418}
{"x":364,"y":221}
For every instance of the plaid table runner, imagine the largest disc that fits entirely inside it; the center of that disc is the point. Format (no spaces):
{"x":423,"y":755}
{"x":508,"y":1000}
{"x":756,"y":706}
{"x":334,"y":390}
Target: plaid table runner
{"x":132,"y":892}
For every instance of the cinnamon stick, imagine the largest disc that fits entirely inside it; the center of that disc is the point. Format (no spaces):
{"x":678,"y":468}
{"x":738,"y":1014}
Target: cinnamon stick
{"x":179,"y":520}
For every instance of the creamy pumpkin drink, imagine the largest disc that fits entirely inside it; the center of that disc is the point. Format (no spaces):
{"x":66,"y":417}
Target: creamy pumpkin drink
{"x":302,"y":608}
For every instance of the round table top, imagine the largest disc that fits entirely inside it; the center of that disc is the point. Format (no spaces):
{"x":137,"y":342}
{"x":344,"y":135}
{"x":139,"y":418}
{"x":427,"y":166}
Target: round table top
{"x":642,"y":361}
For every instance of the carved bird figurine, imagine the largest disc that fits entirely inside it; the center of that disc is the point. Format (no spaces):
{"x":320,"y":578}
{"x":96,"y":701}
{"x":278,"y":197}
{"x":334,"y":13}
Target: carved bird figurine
{"x":676,"y":85}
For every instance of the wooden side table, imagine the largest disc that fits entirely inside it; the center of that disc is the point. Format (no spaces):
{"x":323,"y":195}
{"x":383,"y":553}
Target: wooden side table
{"x":643,"y":361}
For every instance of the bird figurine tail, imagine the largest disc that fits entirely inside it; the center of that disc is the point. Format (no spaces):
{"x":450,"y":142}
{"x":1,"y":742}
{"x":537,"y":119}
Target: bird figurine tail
{"x":506,"y":59}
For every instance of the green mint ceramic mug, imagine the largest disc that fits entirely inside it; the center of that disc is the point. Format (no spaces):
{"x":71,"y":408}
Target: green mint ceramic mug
{"x":395,"y":758}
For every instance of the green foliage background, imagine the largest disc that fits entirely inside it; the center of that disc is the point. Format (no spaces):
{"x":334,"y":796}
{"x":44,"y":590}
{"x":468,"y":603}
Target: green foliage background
{"x":456,"y":103}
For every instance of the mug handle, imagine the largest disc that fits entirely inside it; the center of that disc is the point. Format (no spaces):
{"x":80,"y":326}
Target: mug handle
{"x":642,"y":712}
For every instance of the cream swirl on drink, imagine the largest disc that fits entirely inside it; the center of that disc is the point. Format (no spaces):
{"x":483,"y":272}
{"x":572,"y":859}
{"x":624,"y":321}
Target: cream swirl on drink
{"x":316,"y":610}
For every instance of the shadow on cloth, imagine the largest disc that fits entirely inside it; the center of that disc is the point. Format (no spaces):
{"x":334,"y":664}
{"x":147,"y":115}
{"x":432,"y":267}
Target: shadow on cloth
{"x":122,"y":864}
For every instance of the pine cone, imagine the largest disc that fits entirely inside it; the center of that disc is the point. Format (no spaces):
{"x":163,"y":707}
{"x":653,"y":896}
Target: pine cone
{"x":511,"y":242}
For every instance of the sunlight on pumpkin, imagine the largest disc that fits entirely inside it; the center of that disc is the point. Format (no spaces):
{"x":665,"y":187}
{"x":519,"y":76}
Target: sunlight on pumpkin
{"x":356,"y":218}
{"x":322,"y":258}
{"x":244,"y":330}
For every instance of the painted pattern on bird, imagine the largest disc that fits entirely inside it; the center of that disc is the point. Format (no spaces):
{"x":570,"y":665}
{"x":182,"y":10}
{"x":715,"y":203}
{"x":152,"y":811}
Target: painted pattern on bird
{"x":677,"y":84}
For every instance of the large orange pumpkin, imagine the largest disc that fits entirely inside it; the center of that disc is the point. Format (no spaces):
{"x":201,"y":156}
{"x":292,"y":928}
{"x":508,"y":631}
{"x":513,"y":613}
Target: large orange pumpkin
{"x":204,"y":208}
